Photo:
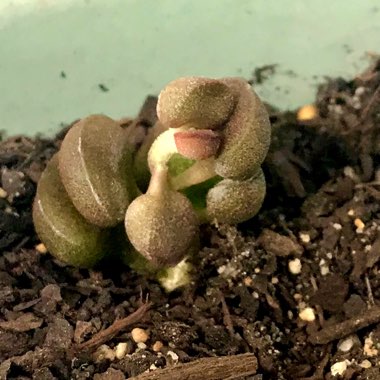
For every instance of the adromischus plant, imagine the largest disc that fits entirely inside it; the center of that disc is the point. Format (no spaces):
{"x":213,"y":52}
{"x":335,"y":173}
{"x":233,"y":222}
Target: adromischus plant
{"x":202,"y":161}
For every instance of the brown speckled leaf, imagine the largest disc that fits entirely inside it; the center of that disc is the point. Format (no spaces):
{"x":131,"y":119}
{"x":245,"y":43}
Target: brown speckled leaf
{"x":233,"y":201}
{"x":95,"y":166}
{"x":202,"y":102}
{"x":246,"y":134}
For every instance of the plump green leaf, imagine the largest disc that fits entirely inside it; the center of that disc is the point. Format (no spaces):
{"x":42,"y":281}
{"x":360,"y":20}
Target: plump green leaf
{"x":66,"y":234}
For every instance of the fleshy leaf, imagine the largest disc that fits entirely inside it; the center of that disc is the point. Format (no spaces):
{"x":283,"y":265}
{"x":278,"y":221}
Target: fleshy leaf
{"x":204,"y":103}
{"x":161,"y":224}
{"x":246,"y":134}
{"x":233,"y":201}
{"x":95,"y":165}
{"x":66,"y":234}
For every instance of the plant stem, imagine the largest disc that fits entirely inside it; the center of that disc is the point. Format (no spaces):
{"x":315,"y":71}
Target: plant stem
{"x":159,"y":181}
{"x":201,"y":171}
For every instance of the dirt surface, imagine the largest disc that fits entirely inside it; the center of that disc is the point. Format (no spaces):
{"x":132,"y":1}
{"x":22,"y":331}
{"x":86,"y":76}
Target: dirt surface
{"x":297,"y":287}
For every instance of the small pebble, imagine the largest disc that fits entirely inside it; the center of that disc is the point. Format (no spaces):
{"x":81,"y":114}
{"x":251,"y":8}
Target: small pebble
{"x":307,"y":314}
{"x":369,"y":348}
{"x":139,"y":335}
{"x":157,"y":346}
{"x":307,"y":112}
{"x":360,"y":91}
{"x":346,"y":344}
{"x":339,"y":368}
{"x":337,"y":226}
{"x":297,"y":296}
{"x":359,"y":225}
{"x":295,"y":266}
{"x":351,"y":212}
{"x":173,"y":355}
{"x":305,"y":238}
{"x":274,"y":280}
{"x":3,"y":193}
{"x":365,"y":364}
{"x":41,"y":248}
{"x":121,"y":350}
{"x":325,"y":270}
{"x":350,"y":173}
{"x":103,"y":353}
{"x":141,"y":346}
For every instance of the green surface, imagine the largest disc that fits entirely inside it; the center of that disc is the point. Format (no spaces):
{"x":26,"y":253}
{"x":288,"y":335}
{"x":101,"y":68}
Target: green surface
{"x":134,"y":47}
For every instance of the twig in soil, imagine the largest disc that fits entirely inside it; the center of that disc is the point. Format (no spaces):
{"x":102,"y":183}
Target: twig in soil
{"x":340,"y":330}
{"x":221,"y":368}
{"x":22,"y":243}
{"x":105,"y":335}
{"x":226,"y":315}
{"x":371,"y":300}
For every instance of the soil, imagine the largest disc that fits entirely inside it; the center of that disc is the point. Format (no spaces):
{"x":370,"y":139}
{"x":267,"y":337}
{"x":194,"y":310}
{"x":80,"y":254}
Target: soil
{"x":292,"y":294}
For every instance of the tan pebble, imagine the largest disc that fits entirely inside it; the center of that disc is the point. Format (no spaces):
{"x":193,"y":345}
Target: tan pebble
{"x":139,"y":335}
{"x":339,"y":368}
{"x":305,"y":238}
{"x":346,"y":344}
{"x":121,"y":350}
{"x":350,"y":173}
{"x":295,"y":266}
{"x":41,"y":248}
{"x":297,"y":296}
{"x":351,"y":212}
{"x":173,"y":355}
{"x":307,"y":112}
{"x":103,"y":353}
{"x":365,"y":364}
{"x":359,"y":223}
{"x":3,"y":193}
{"x":275,"y":280}
{"x":307,"y":314}
{"x":157,"y":346}
{"x":248,"y":281}
{"x":325,"y":270}
{"x":141,"y":346}
{"x":369,"y":347}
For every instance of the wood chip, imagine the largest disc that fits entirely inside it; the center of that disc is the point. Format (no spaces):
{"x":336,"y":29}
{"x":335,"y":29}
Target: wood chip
{"x":216,"y":368}
{"x":348,"y":327}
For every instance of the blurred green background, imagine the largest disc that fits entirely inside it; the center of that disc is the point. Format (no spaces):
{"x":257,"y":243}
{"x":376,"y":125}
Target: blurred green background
{"x":60,"y":60}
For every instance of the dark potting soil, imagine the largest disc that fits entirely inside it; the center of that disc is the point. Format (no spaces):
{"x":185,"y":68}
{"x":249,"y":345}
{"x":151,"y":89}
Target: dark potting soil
{"x":292,"y":294}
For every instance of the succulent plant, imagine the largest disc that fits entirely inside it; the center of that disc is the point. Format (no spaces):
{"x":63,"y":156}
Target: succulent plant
{"x":200,"y":162}
{"x":224,"y":128}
